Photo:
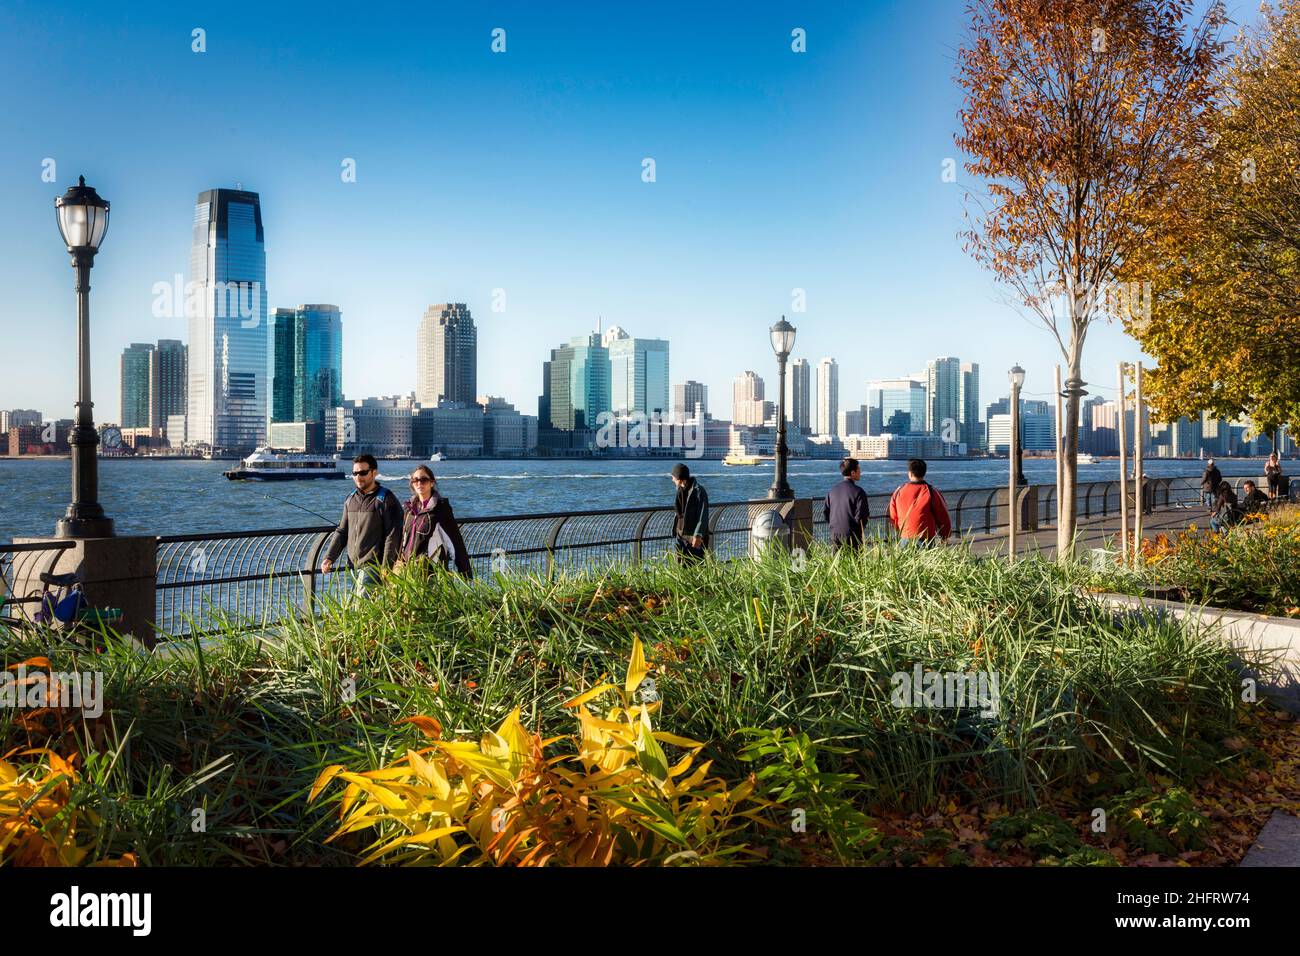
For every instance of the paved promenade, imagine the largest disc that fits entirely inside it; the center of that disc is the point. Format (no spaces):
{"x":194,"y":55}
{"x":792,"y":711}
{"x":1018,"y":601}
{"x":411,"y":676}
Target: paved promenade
{"x":1095,"y":532}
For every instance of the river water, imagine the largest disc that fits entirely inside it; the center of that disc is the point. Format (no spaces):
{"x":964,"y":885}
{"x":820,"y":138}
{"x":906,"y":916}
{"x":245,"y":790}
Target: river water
{"x":158,"y":496}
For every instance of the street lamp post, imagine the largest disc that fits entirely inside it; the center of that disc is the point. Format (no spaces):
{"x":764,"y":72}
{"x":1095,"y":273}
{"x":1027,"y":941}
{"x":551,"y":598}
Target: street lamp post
{"x":782,"y":335}
{"x":1017,"y":379}
{"x":83,"y":219}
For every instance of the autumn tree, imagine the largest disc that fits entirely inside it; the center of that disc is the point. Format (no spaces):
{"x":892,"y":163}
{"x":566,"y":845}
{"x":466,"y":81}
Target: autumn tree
{"x":1081,"y":118}
{"x":1225,"y":266}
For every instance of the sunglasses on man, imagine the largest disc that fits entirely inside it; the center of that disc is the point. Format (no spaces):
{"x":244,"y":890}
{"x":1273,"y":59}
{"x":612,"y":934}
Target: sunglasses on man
{"x":361,"y":474}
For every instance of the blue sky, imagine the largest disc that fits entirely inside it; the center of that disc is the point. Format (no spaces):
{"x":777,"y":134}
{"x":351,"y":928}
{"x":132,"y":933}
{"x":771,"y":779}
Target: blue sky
{"x":519,"y":171}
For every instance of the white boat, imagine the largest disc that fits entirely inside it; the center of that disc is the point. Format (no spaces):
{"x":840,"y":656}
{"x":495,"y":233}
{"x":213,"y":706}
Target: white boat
{"x":1086,"y":459}
{"x":272,"y":464}
{"x":436,"y":456}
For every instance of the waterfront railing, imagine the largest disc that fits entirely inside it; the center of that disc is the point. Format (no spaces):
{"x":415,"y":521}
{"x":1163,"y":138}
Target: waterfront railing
{"x":256,"y":578}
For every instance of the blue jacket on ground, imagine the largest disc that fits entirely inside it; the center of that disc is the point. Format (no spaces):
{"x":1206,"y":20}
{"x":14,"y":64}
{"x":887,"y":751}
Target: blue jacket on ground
{"x":847,"y":511}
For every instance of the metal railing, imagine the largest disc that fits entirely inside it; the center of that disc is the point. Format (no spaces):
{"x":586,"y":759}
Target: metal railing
{"x":21,"y":567}
{"x":258,"y":577}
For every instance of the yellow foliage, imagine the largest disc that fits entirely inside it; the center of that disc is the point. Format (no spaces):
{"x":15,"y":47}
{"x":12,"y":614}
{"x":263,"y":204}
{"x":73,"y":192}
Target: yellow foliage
{"x":505,"y":801}
{"x":37,"y":827}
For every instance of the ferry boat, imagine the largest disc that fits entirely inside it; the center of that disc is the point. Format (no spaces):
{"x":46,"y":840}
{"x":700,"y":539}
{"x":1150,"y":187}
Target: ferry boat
{"x":436,"y":456}
{"x":1085,"y":459}
{"x":737,"y":459}
{"x":271,"y":464}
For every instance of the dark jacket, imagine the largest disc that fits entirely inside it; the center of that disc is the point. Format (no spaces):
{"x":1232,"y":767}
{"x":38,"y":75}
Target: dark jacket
{"x":1254,"y":501}
{"x":419,"y":526}
{"x":692,"y":507}
{"x":1225,"y":504}
{"x":847,"y":511}
{"x":1210,"y":480}
{"x":371,"y":528}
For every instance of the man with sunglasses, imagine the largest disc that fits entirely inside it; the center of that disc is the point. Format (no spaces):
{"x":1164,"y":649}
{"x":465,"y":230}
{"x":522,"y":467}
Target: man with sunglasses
{"x":371,"y":526}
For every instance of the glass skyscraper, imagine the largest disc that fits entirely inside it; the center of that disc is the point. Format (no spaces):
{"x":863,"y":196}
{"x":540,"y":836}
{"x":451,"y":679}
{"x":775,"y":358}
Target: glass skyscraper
{"x":135,"y":385}
{"x":638,"y":374}
{"x":229,"y":331}
{"x":579,"y":384}
{"x":307,"y":373}
{"x":943,"y":398}
{"x":902,"y":404}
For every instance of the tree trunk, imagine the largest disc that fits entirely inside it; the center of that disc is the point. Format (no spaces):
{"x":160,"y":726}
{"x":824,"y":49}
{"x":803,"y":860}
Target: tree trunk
{"x":1069,"y":503}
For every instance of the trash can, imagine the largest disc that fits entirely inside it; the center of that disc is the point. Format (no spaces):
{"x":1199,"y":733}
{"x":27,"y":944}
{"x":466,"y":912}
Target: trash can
{"x":769,"y":528}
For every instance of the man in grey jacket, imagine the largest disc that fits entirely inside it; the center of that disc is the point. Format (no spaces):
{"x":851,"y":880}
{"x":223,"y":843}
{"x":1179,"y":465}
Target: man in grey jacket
{"x":371,"y":526}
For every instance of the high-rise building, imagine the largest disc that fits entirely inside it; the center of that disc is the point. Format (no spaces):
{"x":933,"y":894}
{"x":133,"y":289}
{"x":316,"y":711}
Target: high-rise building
{"x":943,"y":398}
{"x":307,"y":381}
{"x":690,"y":398}
{"x":748,"y":406}
{"x":446,"y":355}
{"x":972,"y":433}
{"x":229,"y":333}
{"x":153,"y":384}
{"x":638,"y":374}
{"x":801,"y":395}
{"x":828,"y":397}
{"x":579,"y":384}
{"x":902,"y":406}
{"x":135,"y":385}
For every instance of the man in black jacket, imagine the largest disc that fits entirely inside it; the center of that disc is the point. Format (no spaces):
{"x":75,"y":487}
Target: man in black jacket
{"x":1210,"y":483}
{"x":691,"y":528}
{"x":371,"y":526}
{"x":846,"y":507}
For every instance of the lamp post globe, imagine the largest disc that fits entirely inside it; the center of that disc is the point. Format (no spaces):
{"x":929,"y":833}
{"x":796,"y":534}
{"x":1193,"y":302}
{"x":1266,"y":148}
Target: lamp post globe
{"x":82,"y":216}
{"x":781,"y":336}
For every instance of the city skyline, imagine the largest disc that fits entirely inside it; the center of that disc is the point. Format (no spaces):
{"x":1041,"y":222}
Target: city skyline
{"x":732,"y":231}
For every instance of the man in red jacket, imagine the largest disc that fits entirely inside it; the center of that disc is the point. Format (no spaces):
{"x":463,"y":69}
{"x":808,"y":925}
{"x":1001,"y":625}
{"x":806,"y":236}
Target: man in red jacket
{"x":917,"y":509}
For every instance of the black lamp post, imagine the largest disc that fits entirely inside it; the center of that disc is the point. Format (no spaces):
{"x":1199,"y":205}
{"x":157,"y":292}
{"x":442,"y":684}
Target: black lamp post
{"x":1017,"y":376}
{"x":782,"y":335}
{"x":83,"y":220}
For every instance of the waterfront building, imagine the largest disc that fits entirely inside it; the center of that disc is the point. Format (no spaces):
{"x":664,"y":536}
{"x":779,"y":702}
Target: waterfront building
{"x":828,"y":397}
{"x":853,"y":421}
{"x":227,"y":391}
{"x":17,"y":417}
{"x":638,"y":374}
{"x":446,"y":355}
{"x":801,"y":413}
{"x":690,"y":401}
{"x":452,"y":429}
{"x":898,"y":446}
{"x":153,"y":383}
{"x":1037,"y":432}
{"x":748,"y":406}
{"x":972,"y":429}
{"x":134,"y":365}
{"x":577,"y":386}
{"x":943,"y":398}
{"x":901,"y":404}
{"x":506,"y":432}
{"x":307,"y":377}
{"x":379,"y":426}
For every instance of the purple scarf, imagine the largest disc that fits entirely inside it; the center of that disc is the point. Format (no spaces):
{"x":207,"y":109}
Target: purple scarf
{"x":421,"y":523}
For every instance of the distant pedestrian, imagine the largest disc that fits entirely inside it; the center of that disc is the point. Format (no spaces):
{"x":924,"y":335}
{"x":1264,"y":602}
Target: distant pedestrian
{"x":846,"y":508}
{"x":1210,"y":482}
{"x":691,"y":528}
{"x":1224,"y":512}
{"x":917,"y":509}
{"x":371,"y":527}
{"x":1273,"y":472}
{"x":430,"y":531}
{"x":1253,"y":501}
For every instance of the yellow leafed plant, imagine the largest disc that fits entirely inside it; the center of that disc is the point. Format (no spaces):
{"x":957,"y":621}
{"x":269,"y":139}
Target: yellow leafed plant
{"x":505,"y":801}
{"x":38,"y":827}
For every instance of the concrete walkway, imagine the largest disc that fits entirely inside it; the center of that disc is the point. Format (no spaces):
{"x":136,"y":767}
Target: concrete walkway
{"x":1278,"y":844}
{"x":1094,"y":532}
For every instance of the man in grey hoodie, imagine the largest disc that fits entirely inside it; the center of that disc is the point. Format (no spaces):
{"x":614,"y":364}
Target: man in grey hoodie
{"x":371,"y":526}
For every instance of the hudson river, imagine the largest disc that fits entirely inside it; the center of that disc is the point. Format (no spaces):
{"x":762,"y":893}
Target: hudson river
{"x":174,"y":497}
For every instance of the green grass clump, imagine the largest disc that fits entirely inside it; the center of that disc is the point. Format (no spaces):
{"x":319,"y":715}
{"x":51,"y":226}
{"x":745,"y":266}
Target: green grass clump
{"x":240,"y":726}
